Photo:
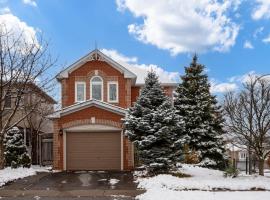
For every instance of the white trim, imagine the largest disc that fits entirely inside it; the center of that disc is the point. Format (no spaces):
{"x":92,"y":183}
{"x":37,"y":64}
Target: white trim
{"x":122,"y":151}
{"x":93,"y":128}
{"x":87,"y":57}
{"x":108,"y":91}
{"x":102,"y":82}
{"x":84,"y":90}
{"x":65,"y":149}
{"x":86,"y":104}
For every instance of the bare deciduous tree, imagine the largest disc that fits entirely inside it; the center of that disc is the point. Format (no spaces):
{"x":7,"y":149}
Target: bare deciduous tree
{"x":37,"y":121}
{"x":22,"y":62}
{"x":248,"y":117}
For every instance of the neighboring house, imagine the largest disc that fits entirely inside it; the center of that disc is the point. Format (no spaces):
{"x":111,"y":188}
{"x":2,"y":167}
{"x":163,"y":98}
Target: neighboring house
{"x":36,"y":127}
{"x":238,"y":155}
{"x":88,"y":132}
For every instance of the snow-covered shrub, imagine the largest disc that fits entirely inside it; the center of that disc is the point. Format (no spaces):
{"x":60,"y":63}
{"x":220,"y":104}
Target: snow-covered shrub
{"x":15,"y":150}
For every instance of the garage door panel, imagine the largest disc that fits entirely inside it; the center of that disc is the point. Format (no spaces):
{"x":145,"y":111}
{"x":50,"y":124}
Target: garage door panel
{"x":93,"y":151}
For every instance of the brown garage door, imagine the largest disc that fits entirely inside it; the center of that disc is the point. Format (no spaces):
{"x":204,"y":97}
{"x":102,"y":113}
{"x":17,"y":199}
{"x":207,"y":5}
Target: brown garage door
{"x":93,"y":151}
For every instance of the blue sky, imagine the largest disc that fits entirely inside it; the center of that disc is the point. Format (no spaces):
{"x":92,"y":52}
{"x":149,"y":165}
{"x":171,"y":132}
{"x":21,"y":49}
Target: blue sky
{"x":231,"y":37}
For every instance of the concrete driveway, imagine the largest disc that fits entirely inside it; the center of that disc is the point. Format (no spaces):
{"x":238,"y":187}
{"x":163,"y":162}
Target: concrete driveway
{"x":94,"y":184}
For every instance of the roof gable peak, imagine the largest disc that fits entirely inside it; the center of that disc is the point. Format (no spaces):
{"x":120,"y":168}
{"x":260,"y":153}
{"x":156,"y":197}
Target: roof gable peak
{"x":95,"y":55}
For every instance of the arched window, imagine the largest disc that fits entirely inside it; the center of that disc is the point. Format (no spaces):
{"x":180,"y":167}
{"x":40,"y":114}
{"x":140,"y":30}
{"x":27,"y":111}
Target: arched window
{"x":96,"y":87}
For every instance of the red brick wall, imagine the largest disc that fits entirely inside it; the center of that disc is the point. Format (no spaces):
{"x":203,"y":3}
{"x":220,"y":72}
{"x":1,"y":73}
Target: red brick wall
{"x":135,"y":92}
{"x":85,"y":73}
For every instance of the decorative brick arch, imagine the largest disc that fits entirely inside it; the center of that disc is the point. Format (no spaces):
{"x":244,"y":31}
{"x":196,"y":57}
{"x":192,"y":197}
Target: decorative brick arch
{"x":90,"y":121}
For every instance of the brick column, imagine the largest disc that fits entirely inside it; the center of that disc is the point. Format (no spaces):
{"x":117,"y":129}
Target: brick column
{"x":128,"y":154}
{"x":57,"y":150}
{"x":128,"y":92}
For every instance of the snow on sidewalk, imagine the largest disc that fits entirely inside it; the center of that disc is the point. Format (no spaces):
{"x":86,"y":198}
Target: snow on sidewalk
{"x":8,"y":174}
{"x":162,"y":194}
{"x":204,"y":179}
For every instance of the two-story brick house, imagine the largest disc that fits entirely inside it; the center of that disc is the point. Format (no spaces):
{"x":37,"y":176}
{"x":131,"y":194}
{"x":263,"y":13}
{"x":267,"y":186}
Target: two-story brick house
{"x":96,"y":92}
{"x":31,"y":111}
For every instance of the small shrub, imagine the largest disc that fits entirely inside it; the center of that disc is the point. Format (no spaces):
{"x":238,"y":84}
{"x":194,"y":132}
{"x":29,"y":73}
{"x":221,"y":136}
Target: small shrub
{"x":231,"y":172}
{"x":180,"y":175}
{"x":190,"y":156}
{"x":25,"y":160}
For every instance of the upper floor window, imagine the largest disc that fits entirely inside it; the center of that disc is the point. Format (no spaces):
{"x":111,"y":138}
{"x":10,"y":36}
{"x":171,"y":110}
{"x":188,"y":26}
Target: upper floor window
{"x":8,"y":99}
{"x":242,"y":155}
{"x":79,"y":91}
{"x":112,"y":91}
{"x":96,"y":85}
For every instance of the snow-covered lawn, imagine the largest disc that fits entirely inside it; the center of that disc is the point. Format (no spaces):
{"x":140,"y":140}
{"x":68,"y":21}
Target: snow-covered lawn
{"x":163,"y":194}
{"x":8,"y":174}
{"x":202,"y":186}
{"x":204,"y":179}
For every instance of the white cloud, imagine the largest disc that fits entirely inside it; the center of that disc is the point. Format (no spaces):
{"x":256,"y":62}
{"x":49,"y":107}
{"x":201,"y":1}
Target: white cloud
{"x":4,"y":10}
{"x":247,"y":77}
{"x":262,"y":10}
{"x":267,"y":39}
{"x":234,"y":82}
{"x":18,"y":28}
{"x":183,"y":26}
{"x":118,"y":56}
{"x":258,"y":31}
{"x":223,"y":87}
{"x":248,"y":45}
{"x":30,"y":2}
{"x":131,"y":63}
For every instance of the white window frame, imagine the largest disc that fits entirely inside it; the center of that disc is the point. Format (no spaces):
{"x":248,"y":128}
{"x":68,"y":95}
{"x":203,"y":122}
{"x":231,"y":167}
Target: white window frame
{"x":101,"y":87}
{"x":76,"y":97}
{"x":241,"y":157}
{"x":108,"y":91}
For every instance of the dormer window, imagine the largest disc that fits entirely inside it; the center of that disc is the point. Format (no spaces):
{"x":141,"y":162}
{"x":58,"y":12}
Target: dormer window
{"x":96,"y":85}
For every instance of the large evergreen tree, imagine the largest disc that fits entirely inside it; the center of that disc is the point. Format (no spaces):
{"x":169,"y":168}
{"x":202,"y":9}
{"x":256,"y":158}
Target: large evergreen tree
{"x":15,"y":150}
{"x":153,"y":126}
{"x":198,"y":108}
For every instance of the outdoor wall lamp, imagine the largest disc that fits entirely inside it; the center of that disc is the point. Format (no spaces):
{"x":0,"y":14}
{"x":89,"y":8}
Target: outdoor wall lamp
{"x":60,"y":131}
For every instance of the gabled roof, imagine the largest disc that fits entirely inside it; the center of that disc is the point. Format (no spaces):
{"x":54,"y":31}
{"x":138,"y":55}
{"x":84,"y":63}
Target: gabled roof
{"x":135,"y":72}
{"x":95,"y":55}
{"x":80,"y":106}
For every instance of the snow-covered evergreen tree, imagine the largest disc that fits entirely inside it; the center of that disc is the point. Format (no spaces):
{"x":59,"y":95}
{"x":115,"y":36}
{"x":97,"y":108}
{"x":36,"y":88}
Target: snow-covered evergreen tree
{"x":198,"y":108}
{"x":153,"y":127}
{"x":15,"y":150}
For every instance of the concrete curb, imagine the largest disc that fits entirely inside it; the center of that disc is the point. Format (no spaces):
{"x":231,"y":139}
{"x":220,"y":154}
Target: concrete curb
{"x":71,"y":193}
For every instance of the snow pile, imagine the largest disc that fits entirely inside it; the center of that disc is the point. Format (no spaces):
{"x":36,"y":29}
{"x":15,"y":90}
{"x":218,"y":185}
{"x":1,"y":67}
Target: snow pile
{"x":8,"y":174}
{"x":113,"y":181}
{"x":203,"y":179}
{"x":162,"y":194}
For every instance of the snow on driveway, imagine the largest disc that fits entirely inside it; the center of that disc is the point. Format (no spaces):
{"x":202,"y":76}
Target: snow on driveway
{"x":162,"y":194}
{"x":8,"y":174}
{"x":204,"y":179}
